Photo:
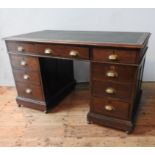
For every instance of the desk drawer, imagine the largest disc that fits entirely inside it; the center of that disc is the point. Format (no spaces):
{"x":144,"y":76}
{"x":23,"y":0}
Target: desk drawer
{"x":26,"y":76}
{"x":63,"y":51}
{"x":116,"y":55}
{"x":24,"y":62}
{"x":110,"y":107}
{"x":112,"y":89}
{"x":115,"y":73}
{"x":29,"y":91}
{"x":21,"y":47}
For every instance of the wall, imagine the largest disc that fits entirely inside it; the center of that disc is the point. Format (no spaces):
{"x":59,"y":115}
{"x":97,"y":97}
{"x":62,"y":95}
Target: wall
{"x":18,"y":21}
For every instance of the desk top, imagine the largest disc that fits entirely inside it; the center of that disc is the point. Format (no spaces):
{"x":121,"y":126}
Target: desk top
{"x":90,"y":38}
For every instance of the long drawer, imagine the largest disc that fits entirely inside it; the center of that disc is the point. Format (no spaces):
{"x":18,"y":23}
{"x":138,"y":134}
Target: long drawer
{"x":110,"y":107}
{"x":63,"y":51}
{"x":46,"y":49}
{"x":113,"y":72}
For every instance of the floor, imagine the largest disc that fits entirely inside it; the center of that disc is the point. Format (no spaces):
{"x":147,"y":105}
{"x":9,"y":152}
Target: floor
{"x":66,"y":125}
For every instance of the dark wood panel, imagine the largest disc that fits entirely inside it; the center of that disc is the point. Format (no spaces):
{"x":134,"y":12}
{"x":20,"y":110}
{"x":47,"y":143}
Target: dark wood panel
{"x":116,"y":55}
{"x":63,"y":51}
{"x":113,"y":72}
{"x":24,"y":62}
{"x":110,"y":107}
{"x":26,"y":76}
{"x":57,"y":78}
{"x":138,"y":91}
{"x":122,"y":91}
{"x":29,"y":91}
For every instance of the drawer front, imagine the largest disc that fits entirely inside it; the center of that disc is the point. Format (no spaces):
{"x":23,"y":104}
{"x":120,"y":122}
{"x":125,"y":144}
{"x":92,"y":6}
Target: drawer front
{"x":29,"y":91}
{"x":111,"y":89}
{"x":115,"y":55}
{"x":114,"y":73}
{"x":21,"y":47}
{"x":24,"y":62}
{"x":63,"y":51}
{"x":26,"y":76}
{"x":109,"y":107}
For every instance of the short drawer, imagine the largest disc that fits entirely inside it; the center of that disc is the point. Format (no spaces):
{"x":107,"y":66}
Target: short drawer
{"x":112,"y":89}
{"x":113,"y":72}
{"x":21,"y":47}
{"x":116,"y":55}
{"x":110,"y":107}
{"x":27,"y":76}
{"x":24,"y":62}
{"x":63,"y":51}
{"x":29,"y":91}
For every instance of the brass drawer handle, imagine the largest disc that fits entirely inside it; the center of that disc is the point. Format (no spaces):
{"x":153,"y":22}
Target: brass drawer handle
{"x":23,"y":63}
{"x":48,"y":51}
{"x":110,"y":91}
{"x":111,"y":74}
{"x":20,"y":48}
{"x":74,"y":53}
{"x":109,"y":107}
{"x":26,"y":77}
{"x":113,"y":57}
{"x":28,"y":91}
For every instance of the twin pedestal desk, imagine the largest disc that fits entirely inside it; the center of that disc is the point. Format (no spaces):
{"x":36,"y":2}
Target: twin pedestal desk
{"x":42,"y":64}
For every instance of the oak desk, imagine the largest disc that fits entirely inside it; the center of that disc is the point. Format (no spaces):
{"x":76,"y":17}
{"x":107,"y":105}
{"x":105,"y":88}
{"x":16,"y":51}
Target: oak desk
{"x":42,"y":64}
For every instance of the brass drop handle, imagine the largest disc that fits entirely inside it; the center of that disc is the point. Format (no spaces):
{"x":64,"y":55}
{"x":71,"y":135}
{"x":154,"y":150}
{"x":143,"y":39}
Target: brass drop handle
{"x":111,"y":74}
{"x":109,"y":107}
{"x":26,"y":77}
{"x":48,"y":51}
{"x":23,"y":63}
{"x":28,"y":91}
{"x":113,"y":57}
{"x":74,"y":53}
{"x":20,"y":48}
{"x":110,"y":91}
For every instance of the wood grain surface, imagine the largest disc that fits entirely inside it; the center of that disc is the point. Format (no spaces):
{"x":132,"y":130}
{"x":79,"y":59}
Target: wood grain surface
{"x":66,"y":125}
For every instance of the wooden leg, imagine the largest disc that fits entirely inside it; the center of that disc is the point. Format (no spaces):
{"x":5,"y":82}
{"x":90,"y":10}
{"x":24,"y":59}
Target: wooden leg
{"x":89,"y":122}
{"x":46,"y":111}
{"x":129,"y":131}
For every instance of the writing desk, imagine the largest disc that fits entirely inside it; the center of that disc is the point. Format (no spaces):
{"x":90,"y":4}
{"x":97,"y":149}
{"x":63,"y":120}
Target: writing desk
{"x":42,"y":64}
